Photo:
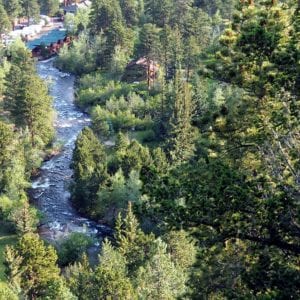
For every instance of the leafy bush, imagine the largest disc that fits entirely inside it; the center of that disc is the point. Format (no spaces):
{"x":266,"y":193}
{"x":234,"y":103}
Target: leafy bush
{"x":96,"y":88}
{"x":114,"y":196}
{"x":105,"y":122}
{"x":80,"y":58}
{"x":6,"y":292}
{"x":146,"y":136}
{"x":72,"y":248}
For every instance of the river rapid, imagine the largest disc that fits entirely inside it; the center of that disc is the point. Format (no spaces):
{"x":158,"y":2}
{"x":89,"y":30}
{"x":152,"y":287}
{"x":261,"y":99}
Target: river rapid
{"x":50,"y":190}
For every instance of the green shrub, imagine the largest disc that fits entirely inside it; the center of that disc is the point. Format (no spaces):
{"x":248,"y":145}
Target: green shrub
{"x":146,"y":136}
{"x":71,"y":248}
{"x":6,"y":293}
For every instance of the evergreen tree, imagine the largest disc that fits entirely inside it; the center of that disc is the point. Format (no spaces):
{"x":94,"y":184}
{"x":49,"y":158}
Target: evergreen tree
{"x":172,"y":51}
{"x":21,"y":67}
{"x":149,"y":47}
{"x":6,"y":140}
{"x":4,"y":20}
{"x":89,"y":164}
{"x":111,"y":279}
{"x":131,"y":242}
{"x":198,"y":37}
{"x":79,"y":278}
{"x":180,"y":143}
{"x":160,"y":161}
{"x":25,"y":218}
{"x":13,"y":269}
{"x":49,"y":7}
{"x":103,"y":14}
{"x":253,"y":136}
{"x":130,"y":11}
{"x":13,"y":9}
{"x":39,"y":275}
{"x":122,"y":142}
{"x":12,"y":165}
{"x":27,"y":99}
{"x":159,"y":278}
{"x":158,"y":12}
{"x":31,"y":9}
{"x":181,"y":248}
{"x":133,"y":158}
{"x":106,"y":19}
{"x":7,"y":293}
{"x":117,"y":35}
{"x":37,"y":111}
{"x":181,"y":14}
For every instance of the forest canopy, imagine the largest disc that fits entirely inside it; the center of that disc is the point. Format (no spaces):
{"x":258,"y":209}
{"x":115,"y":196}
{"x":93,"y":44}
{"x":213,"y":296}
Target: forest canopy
{"x":192,"y":155}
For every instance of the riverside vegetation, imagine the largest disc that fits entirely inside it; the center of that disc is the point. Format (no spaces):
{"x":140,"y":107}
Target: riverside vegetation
{"x":196,"y":167}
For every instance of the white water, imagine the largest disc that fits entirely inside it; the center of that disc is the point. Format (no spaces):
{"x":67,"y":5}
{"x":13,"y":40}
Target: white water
{"x":50,"y":191}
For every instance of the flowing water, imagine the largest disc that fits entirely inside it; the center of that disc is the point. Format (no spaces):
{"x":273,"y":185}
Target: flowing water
{"x":50,"y":190}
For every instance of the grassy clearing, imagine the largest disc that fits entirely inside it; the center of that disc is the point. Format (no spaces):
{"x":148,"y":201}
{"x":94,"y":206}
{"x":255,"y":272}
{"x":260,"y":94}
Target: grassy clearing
{"x":6,"y":238}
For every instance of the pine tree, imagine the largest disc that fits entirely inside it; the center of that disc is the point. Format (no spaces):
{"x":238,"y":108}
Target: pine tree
{"x":122,"y":142}
{"x":180,"y":144}
{"x":127,"y":230}
{"x":13,"y":269}
{"x":4,"y":20}
{"x":21,"y":67}
{"x":181,"y":248}
{"x":176,"y":52}
{"x":159,"y":279}
{"x":49,"y":7}
{"x":181,"y":14}
{"x":103,"y":14}
{"x":245,"y":191}
{"x":133,"y":158}
{"x":12,"y":164}
{"x":117,"y":35}
{"x":14,"y":94}
{"x":130,"y":11}
{"x":25,"y":219}
{"x":79,"y":278}
{"x":6,"y":139}
{"x":158,"y":12}
{"x":89,"y":164}
{"x":149,"y":47}
{"x":37,"y":111}
{"x":7,"y":293}
{"x":13,"y":9}
{"x":27,"y":99}
{"x":36,"y":265}
{"x":131,"y":242}
{"x":160,"y":161}
{"x":110,"y":276}
{"x":31,"y":9}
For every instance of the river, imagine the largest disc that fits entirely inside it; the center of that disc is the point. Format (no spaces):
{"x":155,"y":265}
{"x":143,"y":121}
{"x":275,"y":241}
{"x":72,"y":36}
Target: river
{"x":50,"y":190}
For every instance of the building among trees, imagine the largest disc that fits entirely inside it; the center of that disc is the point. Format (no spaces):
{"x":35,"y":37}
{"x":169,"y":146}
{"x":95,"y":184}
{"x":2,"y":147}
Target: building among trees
{"x":141,"y":69}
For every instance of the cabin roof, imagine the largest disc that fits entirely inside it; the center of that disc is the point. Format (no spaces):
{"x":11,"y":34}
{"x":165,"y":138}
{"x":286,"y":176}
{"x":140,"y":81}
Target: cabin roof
{"x":142,"y":61}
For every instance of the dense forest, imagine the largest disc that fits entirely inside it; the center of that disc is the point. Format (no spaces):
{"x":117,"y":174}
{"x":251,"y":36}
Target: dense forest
{"x":192,"y":155}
